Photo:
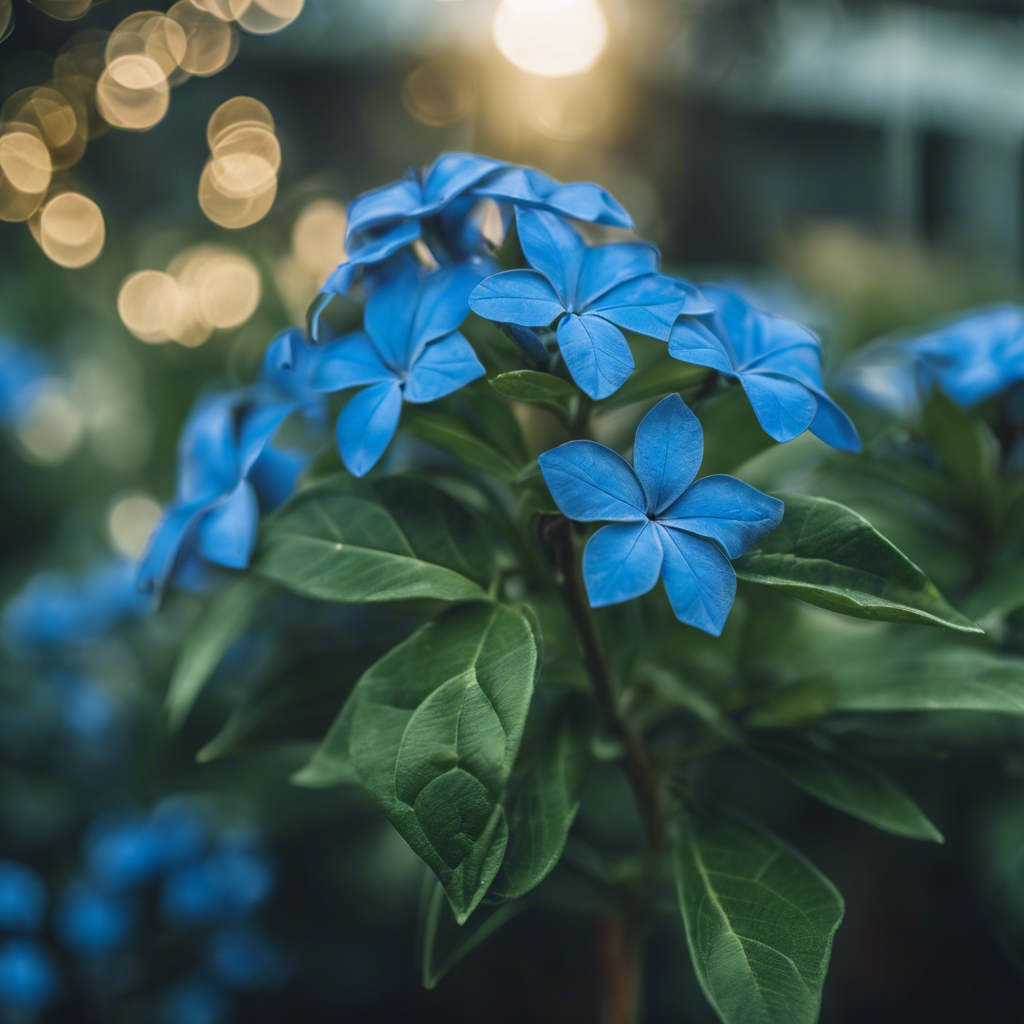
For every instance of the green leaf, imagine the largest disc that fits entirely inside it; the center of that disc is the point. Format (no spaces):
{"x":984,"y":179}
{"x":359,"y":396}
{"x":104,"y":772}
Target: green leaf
{"x":849,"y":784}
{"x":759,"y":920}
{"x":331,"y":764}
{"x":435,"y":728}
{"x":387,"y":539}
{"x":548,"y":797}
{"x":456,"y":438}
{"x":224,"y":620}
{"x":828,"y":555}
{"x":537,"y":388}
{"x":937,"y":680}
{"x":663,"y":376}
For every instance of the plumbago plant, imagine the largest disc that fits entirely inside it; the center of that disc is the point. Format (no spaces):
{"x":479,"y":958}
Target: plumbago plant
{"x":565,"y":584}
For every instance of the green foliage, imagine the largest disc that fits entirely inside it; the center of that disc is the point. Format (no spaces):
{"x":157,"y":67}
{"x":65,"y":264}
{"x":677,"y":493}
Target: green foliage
{"x":759,"y":920}
{"x":537,"y":388}
{"x":459,"y":440}
{"x":830,"y":556}
{"x":387,"y":539}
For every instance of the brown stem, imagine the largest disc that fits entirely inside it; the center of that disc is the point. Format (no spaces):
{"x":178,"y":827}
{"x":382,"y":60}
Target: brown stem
{"x":636,"y":764}
{"x":620,"y":975}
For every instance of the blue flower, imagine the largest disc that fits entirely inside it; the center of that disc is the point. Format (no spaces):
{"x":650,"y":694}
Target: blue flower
{"x":21,"y":371}
{"x":243,"y":958}
{"x":92,"y":921}
{"x":194,"y":1001}
{"x":228,"y":470}
{"x":57,"y":610}
{"x":971,"y":358}
{"x":777,"y":362}
{"x":27,"y":978}
{"x":438,"y":206}
{"x":410,"y":351}
{"x":663,"y":524}
{"x":123,"y":851}
{"x":588,"y":293}
{"x":22,"y":897}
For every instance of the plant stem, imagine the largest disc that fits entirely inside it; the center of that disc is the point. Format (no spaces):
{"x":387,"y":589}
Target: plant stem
{"x":620,"y":975}
{"x":636,"y":764}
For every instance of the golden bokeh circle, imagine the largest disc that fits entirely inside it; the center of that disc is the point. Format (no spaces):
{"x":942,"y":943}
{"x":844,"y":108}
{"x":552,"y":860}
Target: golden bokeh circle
{"x":25,"y":161}
{"x":261,"y":17}
{"x":133,"y":93}
{"x":233,"y":211}
{"x":245,"y":161}
{"x":6,"y":19}
{"x":439,"y":92}
{"x":210,"y":44}
{"x":238,"y":112}
{"x":318,"y":237}
{"x":64,"y":10}
{"x":71,"y":230}
{"x":149,"y":34}
{"x":229,"y":290}
{"x":149,"y":304}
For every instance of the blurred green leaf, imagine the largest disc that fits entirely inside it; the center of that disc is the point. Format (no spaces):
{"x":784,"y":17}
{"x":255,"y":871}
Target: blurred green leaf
{"x":538,"y":388}
{"x":664,"y":376}
{"x":456,"y":438}
{"x":759,"y":920}
{"x":435,"y":729}
{"x":223,"y":621}
{"x":388,"y":539}
{"x":828,"y":555}
{"x":849,"y":784}
{"x":546,"y":801}
{"x":331,"y":765}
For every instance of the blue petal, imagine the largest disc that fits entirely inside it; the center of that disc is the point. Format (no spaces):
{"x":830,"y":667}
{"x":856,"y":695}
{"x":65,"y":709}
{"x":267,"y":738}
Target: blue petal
{"x":349,"y":362}
{"x":524,"y":186}
{"x":605,"y":266}
{"x":596,"y":353}
{"x":389,"y":317}
{"x":227,"y":533}
{"x":275,"y":475}
{"x":517,"y":297}
{"x":258,"y":426}
{"x":452,"y":174}
{"x":726,"y":510}
{"x":444,"y":367}
{"x":166,"y":542}
{"x":590,"y":482}
{"x":208,"y":452}
{"x":833,"y":426}
{"x":735,"y":321}
{"x":553,"y":247}
{"x":443,"y":303}
{"x":699,"y":580}
{"x":667,"y":452}
{"x":391,"y":202}
{"x":649,"y":305}
{"x":283,"y":352}
{"x":621,"y":561}
{"x":370,"y":250}
{"x":367,"y":424}
{"x":784,"y":407}
{"x":692,"y":341}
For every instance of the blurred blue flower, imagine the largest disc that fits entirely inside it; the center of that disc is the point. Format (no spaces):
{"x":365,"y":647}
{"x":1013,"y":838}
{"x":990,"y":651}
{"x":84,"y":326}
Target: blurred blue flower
{"x":93,"y":921}
{"x":21,"y":370}
{"x":589,"y":293}
{"x":61,"y":609}
{"x":777,"y":362}
{"x":27,"y":978}
{"x":194,"y":1001}
{"x":122,"y":851}
{"x":438,"y":206}
{"x":22,"y":897}
{"x":227,"y":469}
{"x":972,"y":358}
{"x":226,"y":884}
{"x":92,"y":714}
{"x":242,"y":958}
{"x":179,"y":833}
{"x":411,"y":351}
{"x":663,"y":524}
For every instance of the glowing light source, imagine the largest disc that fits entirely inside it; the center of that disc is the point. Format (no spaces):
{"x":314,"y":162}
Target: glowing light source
{"x":25,"y":162}
{"x":71,"y":230}
{"x":236,"y":113}
{"x":130,"y":521}
{"x":229,"y":290}
{"x":262,"y":17}
{"x":51,"y":427}
{"x":211,"y":44}
{"x":318,"y":237}
{"x":551,"y":38}
{"x":440,"y":92}
{"x":149,"y":305}
{"x":6,"y":19}
{"x":133,"y":93}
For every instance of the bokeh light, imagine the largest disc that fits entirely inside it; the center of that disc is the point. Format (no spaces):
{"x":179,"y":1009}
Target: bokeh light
{"x":551,"y":38}
{"x":133,"y":93}
{"x":130,"y":521}
{"x":51,"y":428}
{"x":149,"y":305}
{"x":25,"y":162}
{"x":64,"y":10}
{"x":318,"y":238}
{"x":240,"y":111}
{"x":439,"y":92}
{"x":262,"y":17}
{"x":71,"y":230}
{"x":6,"y":19}
{"x":210,"y":43}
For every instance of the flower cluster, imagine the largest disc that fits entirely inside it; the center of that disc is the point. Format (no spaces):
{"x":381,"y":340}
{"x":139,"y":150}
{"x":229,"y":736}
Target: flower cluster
{"x":662,"y":523}
{"x":229,"y":471}
{"x":205,"y":884}
{"x":971,"y":358}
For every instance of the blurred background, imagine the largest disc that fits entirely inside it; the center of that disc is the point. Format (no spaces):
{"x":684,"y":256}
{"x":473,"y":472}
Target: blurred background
{"x":172,"y":193}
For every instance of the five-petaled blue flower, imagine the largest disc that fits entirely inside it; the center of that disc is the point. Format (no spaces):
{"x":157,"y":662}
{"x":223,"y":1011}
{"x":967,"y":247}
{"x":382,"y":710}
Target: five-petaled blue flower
{"x":227,"y":469}
{"x":589,"y":293}
{"x":663,"y":524}
{"x":438,"y":206}
{"x":776,"y":360}
{"x":411,"y":350}
{"x":971,"y":358}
